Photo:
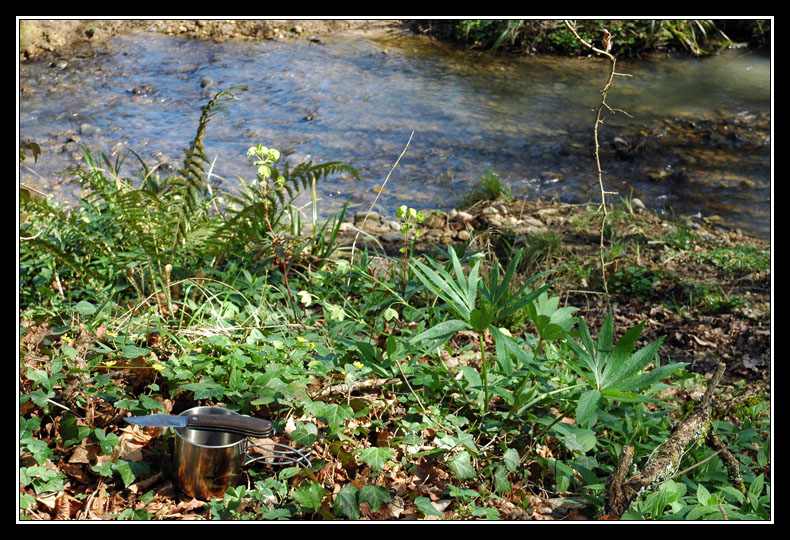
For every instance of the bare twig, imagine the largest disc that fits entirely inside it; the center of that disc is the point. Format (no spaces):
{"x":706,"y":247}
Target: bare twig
{"x":607,"y":44}
{"x":375,"y":200}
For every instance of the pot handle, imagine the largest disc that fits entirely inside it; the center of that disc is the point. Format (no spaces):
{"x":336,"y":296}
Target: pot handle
{"x":279,"y":454}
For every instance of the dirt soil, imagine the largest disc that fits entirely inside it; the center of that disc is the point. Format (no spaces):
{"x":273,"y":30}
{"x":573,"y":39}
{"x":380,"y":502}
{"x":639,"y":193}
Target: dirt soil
{"x":39,"y":37}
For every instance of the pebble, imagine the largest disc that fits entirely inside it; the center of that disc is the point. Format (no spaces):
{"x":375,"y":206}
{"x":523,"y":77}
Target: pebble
{"x":367,"y":216}
{"x":88,"y":129}
{"x":461,"y":216}
{"x":393,"y":237}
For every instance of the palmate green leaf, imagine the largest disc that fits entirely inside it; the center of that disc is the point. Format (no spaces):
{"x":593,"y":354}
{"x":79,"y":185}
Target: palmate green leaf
{"x":621,"y":353}
{"x":611,"y":370}
{"x":587,"y":355}
{"x":624,"y":376}
{"x":505,"y":302}
{"x":459,"y":292}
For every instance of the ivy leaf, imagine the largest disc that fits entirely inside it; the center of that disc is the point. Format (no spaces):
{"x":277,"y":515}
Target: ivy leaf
{"x":310,"y":496}
{"x":129,"y":470}
{"x":85,"y":308}
{"x":131,"y":351}
{"x":375,"y":496}
{"x":205,"y":390}
{"x":461,"y":465}
{"x":376,"y":457}
{"x":346,"y":502}
{"x":512,"y":459}
{"x":334,"y":414}
{"x":106,"y":441}
{"x":425,"y":506}
{"x":304,"y":435}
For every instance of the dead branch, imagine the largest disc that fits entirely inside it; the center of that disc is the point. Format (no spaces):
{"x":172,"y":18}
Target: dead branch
{"x":665,"y":459}
{"x":344,"y":388}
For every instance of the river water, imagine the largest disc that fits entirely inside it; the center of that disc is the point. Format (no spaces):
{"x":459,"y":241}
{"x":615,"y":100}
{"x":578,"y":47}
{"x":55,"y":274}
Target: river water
{"x":704,"y":124}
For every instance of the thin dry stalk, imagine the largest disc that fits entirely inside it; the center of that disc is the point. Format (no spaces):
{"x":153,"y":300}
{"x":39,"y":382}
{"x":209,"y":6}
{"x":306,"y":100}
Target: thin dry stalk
{"x":605,"y":52}
{"x":375,"y":200}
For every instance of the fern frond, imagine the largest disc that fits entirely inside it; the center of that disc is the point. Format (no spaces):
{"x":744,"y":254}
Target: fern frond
{"x":189,"y":187}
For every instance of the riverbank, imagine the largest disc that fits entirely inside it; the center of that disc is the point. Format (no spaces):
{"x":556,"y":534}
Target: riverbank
{"x":38,"y":37}
{"x":41,"y":37}
{"x":706,"y":288}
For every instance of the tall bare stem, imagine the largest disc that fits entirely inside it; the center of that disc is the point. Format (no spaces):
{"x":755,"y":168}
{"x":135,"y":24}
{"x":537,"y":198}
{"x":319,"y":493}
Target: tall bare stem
{"x":607,"y":44}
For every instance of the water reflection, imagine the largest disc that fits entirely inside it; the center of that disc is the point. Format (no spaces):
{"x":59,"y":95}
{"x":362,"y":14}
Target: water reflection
{"x":357,"y":100}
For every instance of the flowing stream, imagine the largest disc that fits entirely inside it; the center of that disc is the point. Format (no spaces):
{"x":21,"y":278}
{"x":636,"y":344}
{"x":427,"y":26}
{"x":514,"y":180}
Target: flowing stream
{"x":696,"y":139}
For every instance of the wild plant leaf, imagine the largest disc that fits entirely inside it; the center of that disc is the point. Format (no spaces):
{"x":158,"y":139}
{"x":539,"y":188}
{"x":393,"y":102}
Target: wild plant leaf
{"x":441,"y":331}
{"x":310,"y":495}
{"x":376,"y":456}
{"x":375,"y":496}
{"x":498,"y":292}
{"x":587,"y":407}
{"x":481,"y":317}
{"x":461,"y":465}
{"x":334,"y":414}
{"x":459,"y":292}
{"x":471,"y":376}
{"x":205,"y":390}
{"x":576,"y":439}
{"x":511,"y":459}
{"x":550,"y":320}
{"x":617,"y":372}
{"x":624,"y":377}
{"x":425,"y":506}
{"x":346,"y":502}
{"x":645,"y":380}
{"x":507,"y":350}
{"x":501,"y":481}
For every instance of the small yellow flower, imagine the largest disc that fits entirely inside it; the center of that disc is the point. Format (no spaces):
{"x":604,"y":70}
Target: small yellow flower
{"x":300,"y":339}
{"x":158,"y":367}
{"x":112,"y":334}
{"x":110,"y":363}
{"x":358,"y":364}
{"x":67,"y":339}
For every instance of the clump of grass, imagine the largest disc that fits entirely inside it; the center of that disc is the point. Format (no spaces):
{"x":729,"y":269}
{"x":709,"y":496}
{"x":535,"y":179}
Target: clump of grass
{"x":489,"y":187}
{"x":739,"y":260}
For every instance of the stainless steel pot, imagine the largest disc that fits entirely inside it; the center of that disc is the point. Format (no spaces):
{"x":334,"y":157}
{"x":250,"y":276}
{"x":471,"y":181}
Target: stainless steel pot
{"x":207,"y":463}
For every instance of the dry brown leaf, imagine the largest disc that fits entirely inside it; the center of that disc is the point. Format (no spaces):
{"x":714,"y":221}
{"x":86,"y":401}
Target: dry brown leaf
{"x":188,"y":506}
{"x":84,"y":453}
{"x":62,"y":508}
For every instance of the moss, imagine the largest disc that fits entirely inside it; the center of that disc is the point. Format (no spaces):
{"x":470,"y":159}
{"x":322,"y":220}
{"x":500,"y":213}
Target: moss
{"x":26,"y":34}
